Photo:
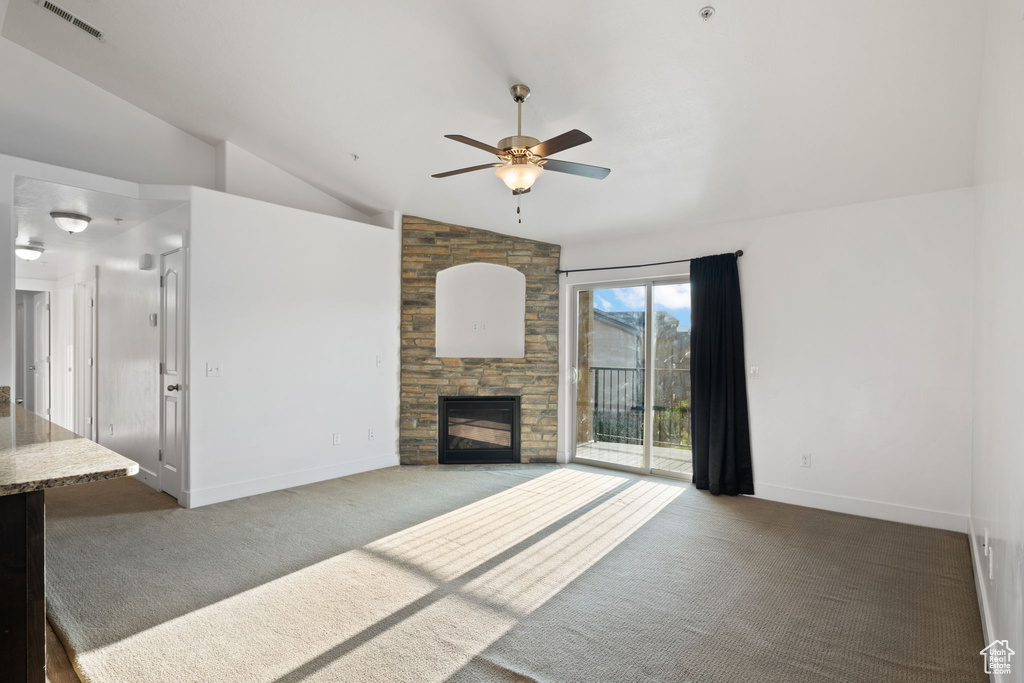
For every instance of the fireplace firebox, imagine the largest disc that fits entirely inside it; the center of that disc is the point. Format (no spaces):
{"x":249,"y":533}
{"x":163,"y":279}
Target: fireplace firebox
{"x":478,"y":429}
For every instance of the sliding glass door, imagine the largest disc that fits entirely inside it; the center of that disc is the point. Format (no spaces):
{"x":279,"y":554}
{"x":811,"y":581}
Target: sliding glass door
{"x":632,"y":377}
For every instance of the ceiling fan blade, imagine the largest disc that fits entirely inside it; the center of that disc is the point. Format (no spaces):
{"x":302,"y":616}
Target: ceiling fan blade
{"x":560,"y":143}
{"x":596,"y":172}
{"x":464,"y":170}
{"x":475,"y":143}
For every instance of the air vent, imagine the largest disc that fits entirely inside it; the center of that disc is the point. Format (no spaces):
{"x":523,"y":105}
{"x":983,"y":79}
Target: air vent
{"x":71,"y":18}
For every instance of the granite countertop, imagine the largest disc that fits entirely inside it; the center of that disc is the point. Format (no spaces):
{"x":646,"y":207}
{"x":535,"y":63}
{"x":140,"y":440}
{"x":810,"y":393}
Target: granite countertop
{"x":36,"y":454}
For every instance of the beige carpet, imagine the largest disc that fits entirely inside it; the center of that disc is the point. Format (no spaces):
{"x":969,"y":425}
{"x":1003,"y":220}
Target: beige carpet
{"x":523,"y":574}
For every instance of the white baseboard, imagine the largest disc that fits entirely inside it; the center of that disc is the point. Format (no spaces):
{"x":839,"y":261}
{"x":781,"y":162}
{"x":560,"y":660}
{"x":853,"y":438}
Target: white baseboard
{"x":863,"y":507}
{"x":217,"y":494}
{"x":979,"y":584}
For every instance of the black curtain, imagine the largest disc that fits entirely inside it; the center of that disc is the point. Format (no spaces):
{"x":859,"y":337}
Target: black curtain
{"x":721,"y":431}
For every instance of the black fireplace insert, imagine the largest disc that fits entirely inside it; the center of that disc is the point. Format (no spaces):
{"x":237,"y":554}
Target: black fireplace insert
{"x":478,"y":429}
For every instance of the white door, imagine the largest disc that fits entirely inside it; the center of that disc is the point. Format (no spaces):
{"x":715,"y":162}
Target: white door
{"x":40,"y":366}
{"x":172,"y":375}
{"x":85,"y":360}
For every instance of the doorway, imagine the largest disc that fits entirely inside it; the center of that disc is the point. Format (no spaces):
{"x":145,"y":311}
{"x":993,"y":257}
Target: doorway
{"x":32,"y":349}
{"x":631,"y":374}
{"x":114,"y":366}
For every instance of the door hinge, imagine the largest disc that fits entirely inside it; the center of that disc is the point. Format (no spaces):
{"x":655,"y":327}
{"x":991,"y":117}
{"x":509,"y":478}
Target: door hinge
{"x":161,"y":367}
{"x":47,"y":306}
{"x":88,"y":420}
{"x":160,"y":456}
{"x":90,"y":361}
{"x":92,"y":303}
{"x":161,"y":280}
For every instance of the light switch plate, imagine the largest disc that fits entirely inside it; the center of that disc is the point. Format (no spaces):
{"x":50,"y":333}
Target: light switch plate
{"x":215,"y":369}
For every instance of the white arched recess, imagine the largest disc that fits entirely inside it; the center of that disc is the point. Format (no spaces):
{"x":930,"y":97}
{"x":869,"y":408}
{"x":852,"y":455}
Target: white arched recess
{"x":480,"y":312}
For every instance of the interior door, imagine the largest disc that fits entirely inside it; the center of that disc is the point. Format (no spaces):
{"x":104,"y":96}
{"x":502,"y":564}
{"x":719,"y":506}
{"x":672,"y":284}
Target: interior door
{"x":172,"y":375}
{"x":85,"y":360}
{"x":40,"y":366}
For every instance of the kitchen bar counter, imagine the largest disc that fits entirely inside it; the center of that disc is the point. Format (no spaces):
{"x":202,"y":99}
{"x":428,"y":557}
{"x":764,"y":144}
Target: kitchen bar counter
{"x":35,"y":455}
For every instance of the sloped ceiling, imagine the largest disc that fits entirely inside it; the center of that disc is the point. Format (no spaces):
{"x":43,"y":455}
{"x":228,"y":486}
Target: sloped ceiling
{"x":768,"y":108}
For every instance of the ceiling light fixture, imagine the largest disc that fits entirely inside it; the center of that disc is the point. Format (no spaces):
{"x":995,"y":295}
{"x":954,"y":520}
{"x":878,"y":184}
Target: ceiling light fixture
{"x":519,"y":175}
{"x":28,"y":252}
{"x":522,"y":159}
{"x":70,"y":222}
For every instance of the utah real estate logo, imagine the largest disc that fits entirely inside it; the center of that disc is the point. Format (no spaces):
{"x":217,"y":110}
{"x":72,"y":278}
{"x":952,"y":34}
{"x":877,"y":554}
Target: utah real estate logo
{"x":997,"y":657}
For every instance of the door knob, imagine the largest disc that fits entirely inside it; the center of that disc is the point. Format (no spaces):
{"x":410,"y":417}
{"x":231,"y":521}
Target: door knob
{"x":173,"y":387}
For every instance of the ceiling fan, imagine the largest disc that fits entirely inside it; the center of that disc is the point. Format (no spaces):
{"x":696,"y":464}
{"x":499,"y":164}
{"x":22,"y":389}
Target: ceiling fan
{"x":523,"y":159}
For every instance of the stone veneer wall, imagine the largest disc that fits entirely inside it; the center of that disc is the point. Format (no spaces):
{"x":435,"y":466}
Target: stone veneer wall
{"x":428,"y":247}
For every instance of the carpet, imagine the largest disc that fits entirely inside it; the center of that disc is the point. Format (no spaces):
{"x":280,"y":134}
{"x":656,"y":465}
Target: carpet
{"x":538,"y":573}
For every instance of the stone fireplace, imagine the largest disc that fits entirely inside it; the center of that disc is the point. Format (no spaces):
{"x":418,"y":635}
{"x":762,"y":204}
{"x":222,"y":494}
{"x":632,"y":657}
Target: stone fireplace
{"x":429,"y":247}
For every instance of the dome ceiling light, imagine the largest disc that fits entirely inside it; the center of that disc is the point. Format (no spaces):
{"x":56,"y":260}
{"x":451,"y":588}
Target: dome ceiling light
{"x":28,"y":252}
{"x":70,"y":222}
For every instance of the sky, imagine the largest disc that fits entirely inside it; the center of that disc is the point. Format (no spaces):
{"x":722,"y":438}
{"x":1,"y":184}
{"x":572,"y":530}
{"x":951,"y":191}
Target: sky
{"x":672,"y":298}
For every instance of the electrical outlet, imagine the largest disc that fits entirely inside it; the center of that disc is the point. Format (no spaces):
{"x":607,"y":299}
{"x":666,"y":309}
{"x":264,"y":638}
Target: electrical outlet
{"x":475,"y":325}
{"x":805,"y":460}
{"x":755,"y":371}
{"x":111,"y":430}
{"x":337,"y":439}
{"x":369,"y":435}
{"x":380,"y":360}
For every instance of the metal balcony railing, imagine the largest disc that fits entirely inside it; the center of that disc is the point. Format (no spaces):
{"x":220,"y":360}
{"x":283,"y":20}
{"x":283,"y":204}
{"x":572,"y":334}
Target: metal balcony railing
{"x":617,"y":405}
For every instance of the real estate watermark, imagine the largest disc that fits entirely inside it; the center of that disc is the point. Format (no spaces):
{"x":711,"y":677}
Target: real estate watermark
{"x":997,"y":657}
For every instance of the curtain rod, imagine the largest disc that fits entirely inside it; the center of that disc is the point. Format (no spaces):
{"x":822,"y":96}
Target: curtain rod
{"x":639,"y":265}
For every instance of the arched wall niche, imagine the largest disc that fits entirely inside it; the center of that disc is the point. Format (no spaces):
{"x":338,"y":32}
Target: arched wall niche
{"x":480,"y":312}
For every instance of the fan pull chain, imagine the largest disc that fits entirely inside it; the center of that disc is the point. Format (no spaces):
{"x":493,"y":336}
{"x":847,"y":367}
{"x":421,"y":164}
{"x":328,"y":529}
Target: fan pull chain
{"x":519,"y":207}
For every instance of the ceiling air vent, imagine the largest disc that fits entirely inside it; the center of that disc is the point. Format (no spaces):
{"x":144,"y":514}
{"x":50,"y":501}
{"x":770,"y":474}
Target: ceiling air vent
{"x":71,"y":18}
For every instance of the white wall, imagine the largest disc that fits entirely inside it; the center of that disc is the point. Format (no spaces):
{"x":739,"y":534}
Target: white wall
{"x":128,"y":378}
{"x":297,"y":307}
{"x":859,"y":318}
{"x":244,"y":174}
{"x":997,"y":469}
{"x":51,"y":115}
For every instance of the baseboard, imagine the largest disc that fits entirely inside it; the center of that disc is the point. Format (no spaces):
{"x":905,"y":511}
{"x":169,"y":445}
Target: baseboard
{"x":979,"y":585}
{"x":218,"y":494}
{"x":863,"y":507}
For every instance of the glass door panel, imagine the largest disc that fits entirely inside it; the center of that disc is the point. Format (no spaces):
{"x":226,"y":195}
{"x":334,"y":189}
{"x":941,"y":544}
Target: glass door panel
{"x":610,"y":381}
{"x":670,"y":433}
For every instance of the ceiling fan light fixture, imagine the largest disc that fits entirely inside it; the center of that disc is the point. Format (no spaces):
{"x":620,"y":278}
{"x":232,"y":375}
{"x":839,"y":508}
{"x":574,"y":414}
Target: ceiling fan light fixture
{"x":70,"y":222}
{"x":28,"y":252}
{"x":519,"y":175}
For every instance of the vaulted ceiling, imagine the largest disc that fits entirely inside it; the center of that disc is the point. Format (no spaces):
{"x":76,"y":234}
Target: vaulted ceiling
{"x":768,"y":108}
